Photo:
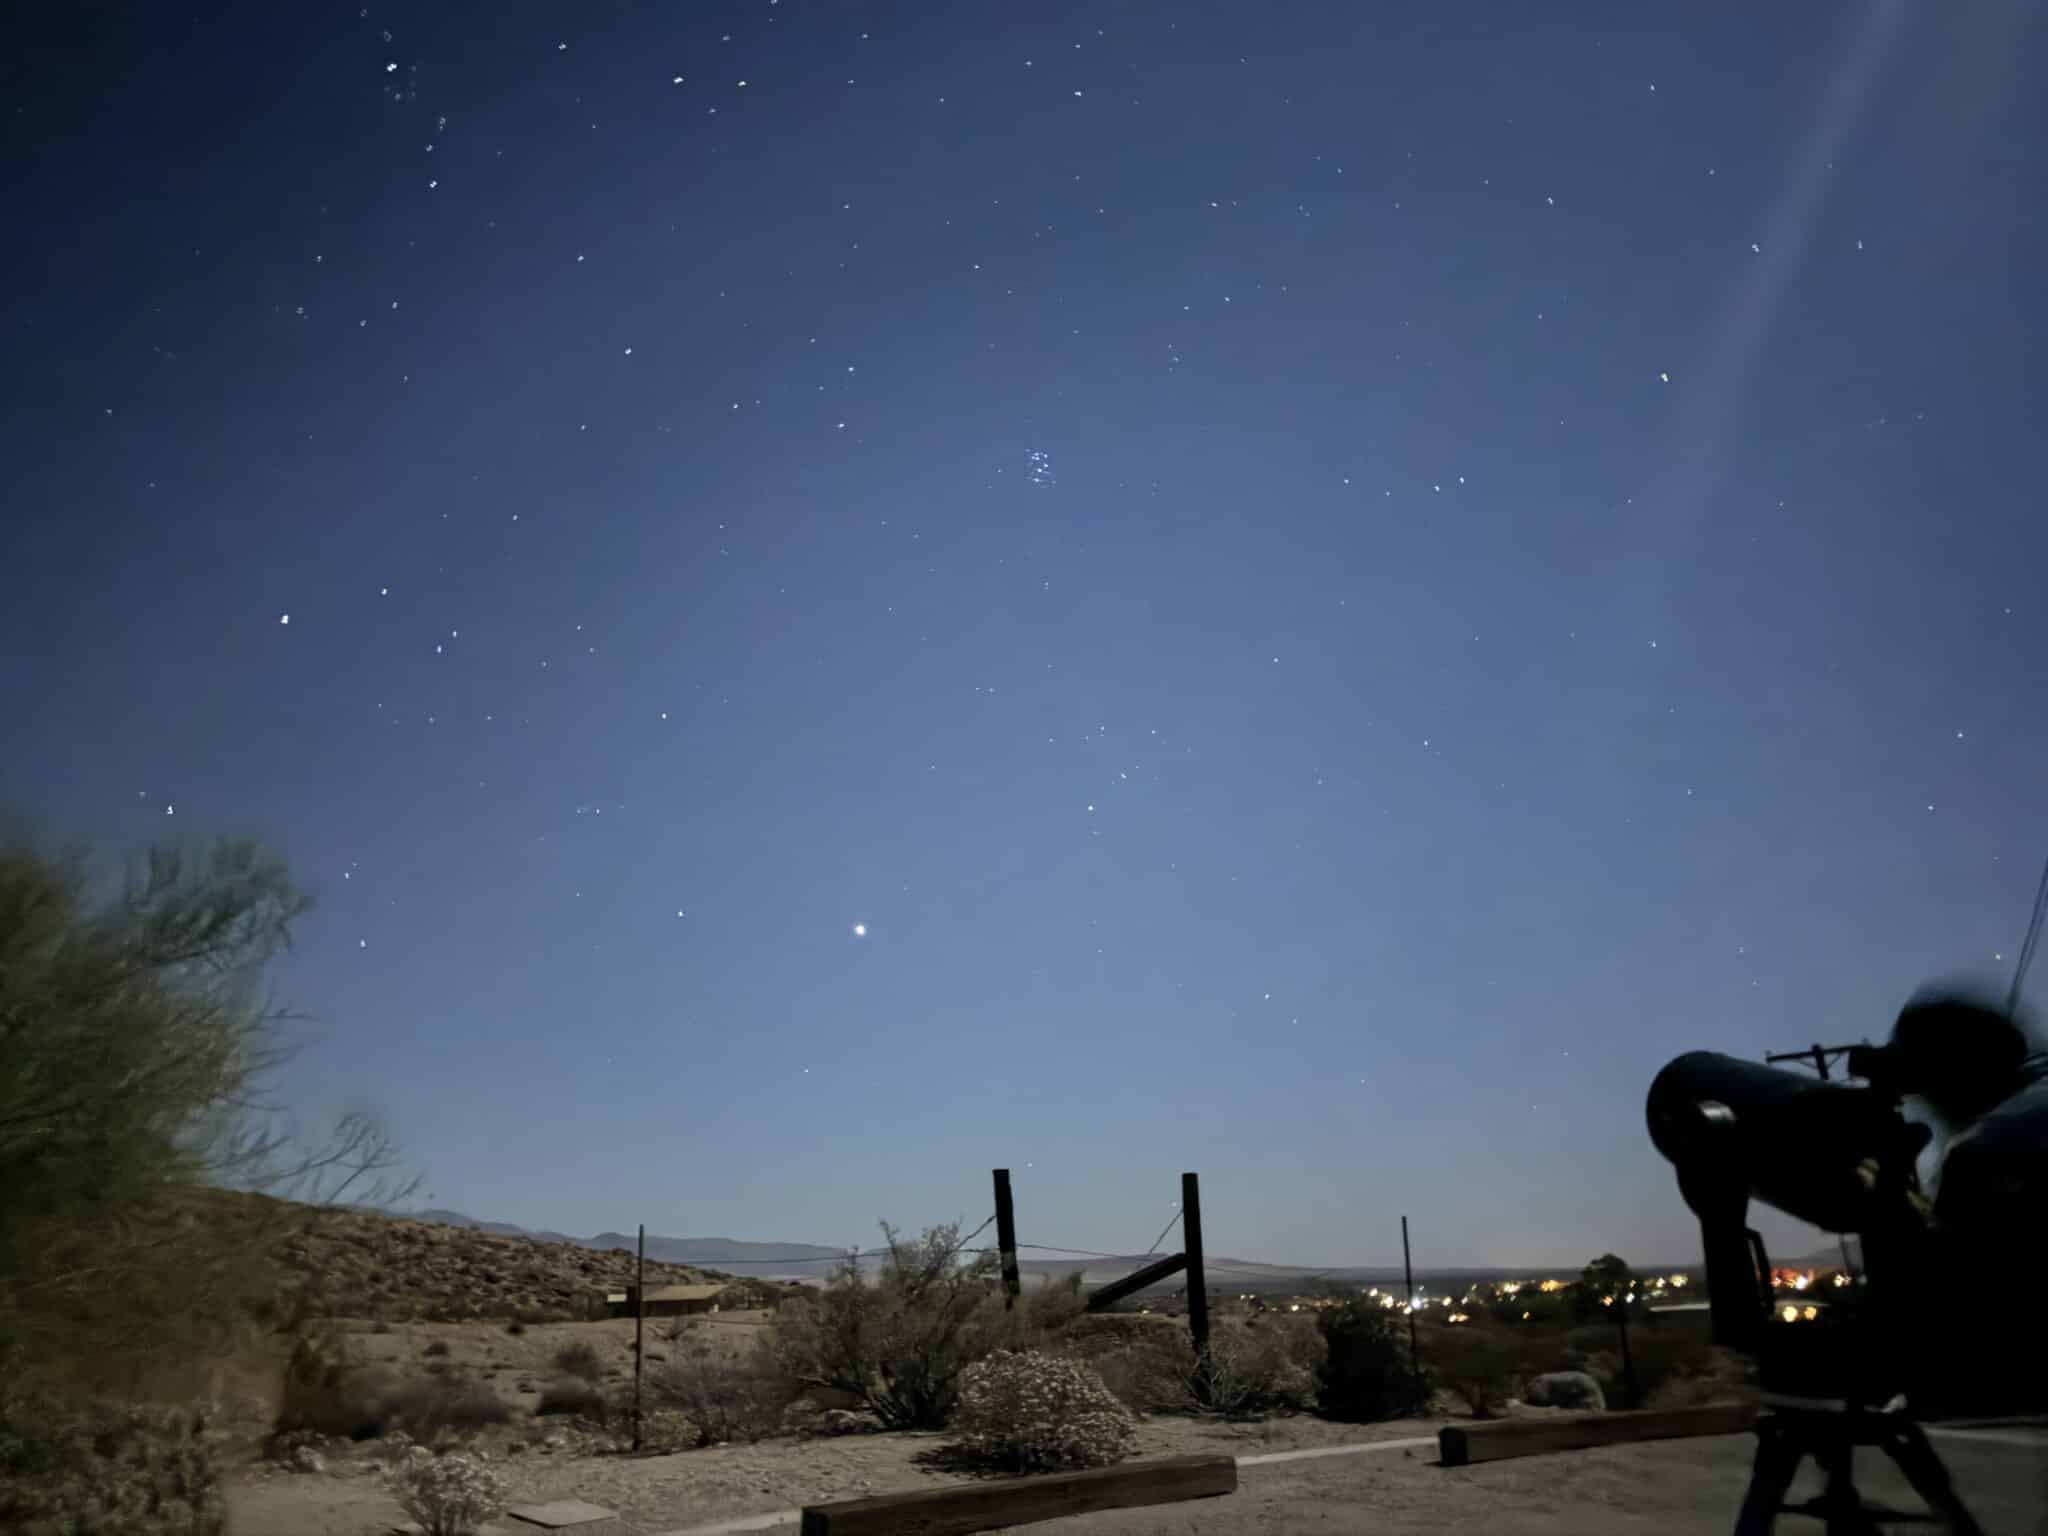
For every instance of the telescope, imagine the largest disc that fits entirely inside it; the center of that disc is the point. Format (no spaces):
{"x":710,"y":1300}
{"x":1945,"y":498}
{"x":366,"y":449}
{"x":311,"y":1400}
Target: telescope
{"x":1842,"y":1157}
{"x":1838,"y":1156}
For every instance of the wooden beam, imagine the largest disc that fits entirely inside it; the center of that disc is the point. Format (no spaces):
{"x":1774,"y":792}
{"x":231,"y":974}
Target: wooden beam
{"x":1020,"y":1500}
{"x":1137,"y":1280}
{"x":1460,"y":1445}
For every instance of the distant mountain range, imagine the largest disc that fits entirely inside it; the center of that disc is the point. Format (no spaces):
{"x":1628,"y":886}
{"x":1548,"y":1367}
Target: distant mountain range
{"x":705,"y":1252}
{"x":813,"y":1261}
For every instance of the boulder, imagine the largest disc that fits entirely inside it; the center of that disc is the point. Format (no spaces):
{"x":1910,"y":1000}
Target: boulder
{"x":1566,"y":1389}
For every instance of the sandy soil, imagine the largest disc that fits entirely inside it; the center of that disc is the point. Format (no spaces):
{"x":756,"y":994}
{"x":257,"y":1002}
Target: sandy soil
{"x":1680,"y":1487}
{"x":664,"y":1493}
{"x":518,"y":1365}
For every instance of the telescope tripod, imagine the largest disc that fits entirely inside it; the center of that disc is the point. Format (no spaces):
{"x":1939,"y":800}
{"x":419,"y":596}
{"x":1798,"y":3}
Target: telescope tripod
{"x":1794,"y":1428}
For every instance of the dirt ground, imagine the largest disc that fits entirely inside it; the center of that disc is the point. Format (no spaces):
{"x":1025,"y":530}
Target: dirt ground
{"x":1682,"y":1487}
{"x":668,"y":1492}
{"x":518,"y":1365}
{"x":1633,"y":1488}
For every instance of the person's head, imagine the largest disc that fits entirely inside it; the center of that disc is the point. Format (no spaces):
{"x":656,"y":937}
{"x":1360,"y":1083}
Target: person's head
{"x":1960,"y":1054}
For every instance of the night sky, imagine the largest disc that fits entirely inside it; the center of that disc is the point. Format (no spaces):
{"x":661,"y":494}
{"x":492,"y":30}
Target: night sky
{"x":827,"y":597}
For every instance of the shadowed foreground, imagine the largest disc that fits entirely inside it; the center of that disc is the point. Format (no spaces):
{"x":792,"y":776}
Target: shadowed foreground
{"x":1683,"y":1486}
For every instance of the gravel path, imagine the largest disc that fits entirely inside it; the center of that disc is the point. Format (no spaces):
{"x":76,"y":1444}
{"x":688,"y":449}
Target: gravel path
{"x":1680,"y":1487}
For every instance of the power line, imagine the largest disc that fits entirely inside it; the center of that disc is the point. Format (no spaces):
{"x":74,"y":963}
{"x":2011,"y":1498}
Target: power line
{"x":1162,"y":1236}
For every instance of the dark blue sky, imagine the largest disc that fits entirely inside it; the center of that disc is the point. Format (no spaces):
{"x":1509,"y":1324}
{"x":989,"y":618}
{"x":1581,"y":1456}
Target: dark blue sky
{"x":1332,"y":585}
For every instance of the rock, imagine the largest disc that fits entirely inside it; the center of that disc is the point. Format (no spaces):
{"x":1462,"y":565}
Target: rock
{"x":848,"y":1421}
{"x":306,"y":1459}
{"x":1566,"y":1389}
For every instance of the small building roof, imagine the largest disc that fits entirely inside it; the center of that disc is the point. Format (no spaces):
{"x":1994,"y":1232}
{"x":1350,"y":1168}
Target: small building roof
{"x":670,"y":1293}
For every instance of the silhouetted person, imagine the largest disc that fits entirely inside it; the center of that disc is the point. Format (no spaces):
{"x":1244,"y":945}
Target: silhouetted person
{"x":1984,"y":1081}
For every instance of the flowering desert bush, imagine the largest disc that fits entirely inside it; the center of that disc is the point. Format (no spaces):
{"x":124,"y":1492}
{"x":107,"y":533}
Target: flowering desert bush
{"x":1027,"y":1411}
{"x":68,"y":1467}
{"x":448,"y":1495}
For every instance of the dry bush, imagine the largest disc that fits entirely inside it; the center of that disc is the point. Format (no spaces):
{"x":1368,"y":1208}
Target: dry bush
{"x":1482,"y":1365}
{"x":448,"y":1495}
{"x":1674,"y":1363}
{"x":1147,"y":1372}
{"x":67,"y":1467}
{"x":579,"y":1359}
{"x":438,"y":1347}
{"x":1028,"y":1411}
{"x":438,"y":1408}
{"x":1254,"y":1369}
{"x":723,"y":1399}
{"x":1366,"y":1374}
{"x":899,"y":1344}
{"x":324,"y":1392}
{"x":1263,"y":1367}
{"x":577,"y":1395}
{"x":137,"y":1052}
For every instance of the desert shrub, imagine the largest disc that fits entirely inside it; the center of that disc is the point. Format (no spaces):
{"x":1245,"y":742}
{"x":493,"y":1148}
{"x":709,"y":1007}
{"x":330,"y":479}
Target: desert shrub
{"x":1483,"y":1366}
{"x":444,"y":1407}
{"x":579,"y":1359}
{"x":723,"y":1399}
{"x":516,"y":1327}
{"x":897,"y":1345}
{"x":1261,"y":1368}
{"x":448,"y":1495}
{"x":70,"y":1467}
{"x":1254,"y":1369}
{"x":1673,"y":1364}
{"x":324,"y":1392}
{"x":137,"y":1046}
{"x":1148,"y":1370}
{"x":1027,"y":1411}
{"x":1365,"y":1373}
{"x":438,"y":1347}
{"x":576,"y":1395}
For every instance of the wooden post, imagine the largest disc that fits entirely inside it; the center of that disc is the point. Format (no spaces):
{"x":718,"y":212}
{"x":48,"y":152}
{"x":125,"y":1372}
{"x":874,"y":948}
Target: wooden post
{"x":639,"y":1327}
{"x":1628,"y":1364}
{"x":1414,"y":1359}
{"x":1006,"y":1238}
{"x":1198,"y":1285}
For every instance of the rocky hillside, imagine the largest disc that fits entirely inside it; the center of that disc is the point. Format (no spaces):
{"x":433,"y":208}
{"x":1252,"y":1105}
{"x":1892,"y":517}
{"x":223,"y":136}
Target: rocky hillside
{"x":356,"y":1263}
